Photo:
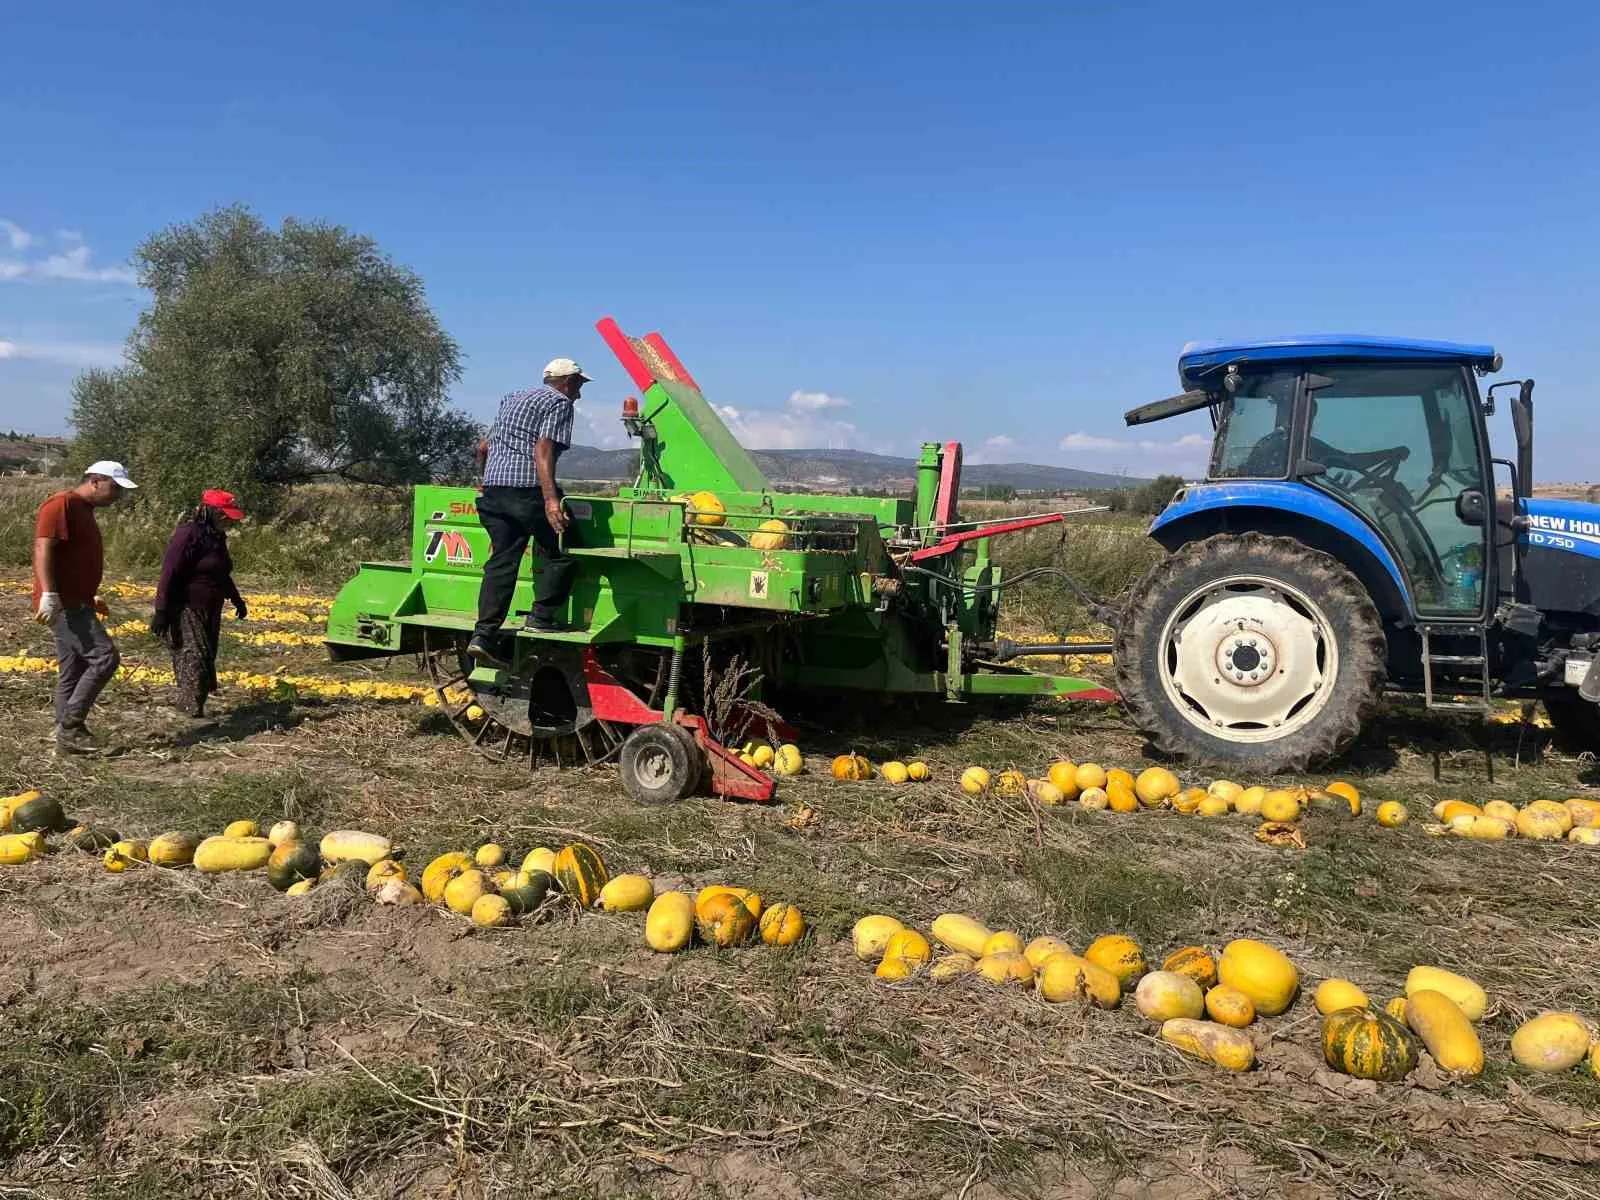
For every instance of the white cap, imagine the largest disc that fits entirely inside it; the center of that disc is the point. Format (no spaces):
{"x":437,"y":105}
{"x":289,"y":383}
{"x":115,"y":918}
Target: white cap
{"x":111,"y":470}
{"x":560,"y":368}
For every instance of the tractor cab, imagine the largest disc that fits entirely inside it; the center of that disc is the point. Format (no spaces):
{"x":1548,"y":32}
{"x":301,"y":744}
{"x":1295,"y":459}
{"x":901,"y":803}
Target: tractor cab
{"x":1347,"y":537}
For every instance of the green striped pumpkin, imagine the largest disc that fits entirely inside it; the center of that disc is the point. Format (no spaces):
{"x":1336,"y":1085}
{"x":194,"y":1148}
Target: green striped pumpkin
{"x":1368,"y":1043}
{"x":581,"y":874}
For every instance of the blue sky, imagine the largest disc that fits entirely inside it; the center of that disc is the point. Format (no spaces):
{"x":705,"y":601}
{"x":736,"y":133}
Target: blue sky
{"x":859,"y":224}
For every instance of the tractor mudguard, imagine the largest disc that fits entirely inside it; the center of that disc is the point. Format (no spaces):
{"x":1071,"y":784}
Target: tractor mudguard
{"x":1186,"y":519}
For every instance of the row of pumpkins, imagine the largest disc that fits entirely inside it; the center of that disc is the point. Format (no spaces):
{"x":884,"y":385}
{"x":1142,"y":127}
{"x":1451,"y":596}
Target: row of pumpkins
{"x":1203,"y":1003}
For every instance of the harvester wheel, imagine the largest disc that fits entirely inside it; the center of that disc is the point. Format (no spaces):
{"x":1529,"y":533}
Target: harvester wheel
{"x":1250,"y":651}
{"x":656,"y":765}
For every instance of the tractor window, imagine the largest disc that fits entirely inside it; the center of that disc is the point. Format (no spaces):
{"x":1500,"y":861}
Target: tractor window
{"x":1253,"y":431}
{"x":1400,"y":444}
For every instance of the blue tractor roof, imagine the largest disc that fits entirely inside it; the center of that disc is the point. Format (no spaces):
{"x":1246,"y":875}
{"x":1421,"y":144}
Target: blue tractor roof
{"x":1199,"y":361}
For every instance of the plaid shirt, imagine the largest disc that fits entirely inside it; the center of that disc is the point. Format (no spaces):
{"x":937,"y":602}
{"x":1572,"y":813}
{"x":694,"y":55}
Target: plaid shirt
{"x":524,"y":418}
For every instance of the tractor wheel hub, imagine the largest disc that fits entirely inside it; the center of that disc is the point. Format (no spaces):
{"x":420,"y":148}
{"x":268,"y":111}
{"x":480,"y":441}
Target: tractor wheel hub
{"x":1246,"y":657}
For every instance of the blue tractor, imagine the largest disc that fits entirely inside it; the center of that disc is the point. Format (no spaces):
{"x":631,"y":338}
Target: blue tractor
{"x":1349,"y":538}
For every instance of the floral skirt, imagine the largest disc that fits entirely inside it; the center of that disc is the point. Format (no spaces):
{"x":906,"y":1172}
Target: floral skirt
{"x":193,"y":640}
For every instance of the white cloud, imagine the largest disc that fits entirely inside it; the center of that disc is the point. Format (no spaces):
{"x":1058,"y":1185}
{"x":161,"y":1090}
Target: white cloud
{"x":815,"y":401}
{"x":788,"y":429}
{"x":18,"y":237}
{"x":72,"y":354}
{"x":1144,"y":456}
{"x":71,"y":263}
{"x":1000,"y":442}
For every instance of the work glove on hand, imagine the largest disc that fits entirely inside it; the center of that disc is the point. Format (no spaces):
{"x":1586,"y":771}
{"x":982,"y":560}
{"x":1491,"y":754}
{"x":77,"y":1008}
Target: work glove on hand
{"x":239,"y":610}
{"x":160,"y":623}
{"x":49,"y":608}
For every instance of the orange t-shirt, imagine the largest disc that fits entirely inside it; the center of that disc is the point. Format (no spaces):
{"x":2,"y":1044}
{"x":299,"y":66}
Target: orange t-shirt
{"x":80,"y":557}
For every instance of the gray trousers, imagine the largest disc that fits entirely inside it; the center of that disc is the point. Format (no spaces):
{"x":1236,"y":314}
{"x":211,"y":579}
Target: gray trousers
{"x":88,"y":659}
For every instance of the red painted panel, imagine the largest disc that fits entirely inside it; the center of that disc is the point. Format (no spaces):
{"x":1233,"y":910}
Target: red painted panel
{"x":944,"y":507}
{"x":622,"y":347}
{"x":951,"y":541}
{"x":659,"y":344}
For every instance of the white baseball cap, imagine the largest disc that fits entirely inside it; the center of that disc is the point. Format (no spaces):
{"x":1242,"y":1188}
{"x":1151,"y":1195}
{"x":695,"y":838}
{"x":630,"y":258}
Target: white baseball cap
{"x":560,"y":368}
{"x":111,"y":470}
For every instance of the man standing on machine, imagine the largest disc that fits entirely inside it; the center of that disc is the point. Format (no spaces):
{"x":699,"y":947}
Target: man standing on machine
{"x":521,"y":500}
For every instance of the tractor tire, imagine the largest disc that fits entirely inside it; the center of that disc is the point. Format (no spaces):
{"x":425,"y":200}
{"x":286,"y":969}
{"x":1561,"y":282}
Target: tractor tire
{"x":655,"y":765}
{"x":1251,"y":652}
{"x":1574,"y":722}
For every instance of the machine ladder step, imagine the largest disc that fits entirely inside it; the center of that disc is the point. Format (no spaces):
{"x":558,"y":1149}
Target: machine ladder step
{"x":1479,"y":678}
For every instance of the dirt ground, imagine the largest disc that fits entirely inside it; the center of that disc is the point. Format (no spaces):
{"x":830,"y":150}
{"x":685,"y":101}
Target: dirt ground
{"x":168,"y":1034}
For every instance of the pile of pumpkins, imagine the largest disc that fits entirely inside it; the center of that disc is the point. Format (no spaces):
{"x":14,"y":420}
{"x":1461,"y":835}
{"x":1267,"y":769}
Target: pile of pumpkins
{"x":1204,"y":1003}
{"x":1576,"y":820}
{"x":720,"y":916}
{"x":780,"y":760}
{"x":855,"y":768}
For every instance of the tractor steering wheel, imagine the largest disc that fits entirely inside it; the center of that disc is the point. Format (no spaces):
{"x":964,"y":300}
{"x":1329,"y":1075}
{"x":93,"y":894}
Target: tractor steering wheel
{"x":1379,"y":473}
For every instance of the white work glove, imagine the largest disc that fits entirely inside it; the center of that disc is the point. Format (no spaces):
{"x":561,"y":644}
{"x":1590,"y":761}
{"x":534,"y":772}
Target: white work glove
{"x":49,"y":608}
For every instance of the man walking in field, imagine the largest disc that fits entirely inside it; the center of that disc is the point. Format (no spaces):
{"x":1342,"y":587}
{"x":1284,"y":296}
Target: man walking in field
{"x":520,"y":500}
{"x":68,"y":561}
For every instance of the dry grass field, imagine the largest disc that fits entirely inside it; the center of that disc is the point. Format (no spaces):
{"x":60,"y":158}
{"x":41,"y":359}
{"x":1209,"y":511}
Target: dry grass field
{"x":169,"y":1034}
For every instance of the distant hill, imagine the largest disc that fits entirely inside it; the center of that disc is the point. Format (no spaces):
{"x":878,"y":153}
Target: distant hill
{"x":823,"y":469}
{"x":26,"y":454}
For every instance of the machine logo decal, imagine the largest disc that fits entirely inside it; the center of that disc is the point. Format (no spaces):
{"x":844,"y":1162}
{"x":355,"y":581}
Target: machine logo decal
{"x":453,"y":544}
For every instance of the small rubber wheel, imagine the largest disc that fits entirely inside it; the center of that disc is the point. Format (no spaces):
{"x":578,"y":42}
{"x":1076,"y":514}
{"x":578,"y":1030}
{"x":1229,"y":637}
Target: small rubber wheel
{"x":656,"y":766}
{"x":697,"y":759}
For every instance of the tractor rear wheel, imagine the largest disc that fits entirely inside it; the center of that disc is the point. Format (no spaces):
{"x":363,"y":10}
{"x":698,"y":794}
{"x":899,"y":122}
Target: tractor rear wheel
{"x":1252,"y":652}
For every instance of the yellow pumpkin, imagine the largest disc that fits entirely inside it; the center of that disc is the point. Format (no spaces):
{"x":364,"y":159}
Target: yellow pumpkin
{"x":1006,"y":966}
{"x":1120,"y":955}
{"x":724,"y":920}
{"x":1163,"y":995}
{"x":1282,"y":804}
{"x":117,"y":859}
{"x":1011,"y":782}
{"x":1044,"y":947}
{"x":627,"y":893}
{"x":1333,"y":994}
{"x":1392,"y":814}
{"x":1090,"y":775}
{"x":1346,"y":792}
{"x":752,"y":900}
{"x":1249,"y":801}
{"x":1118,"y":800}
{"x":1002,"y":942}
{"x":788,"y":760}
{"x":1445,"y":1031}
{"x":581,"y":873}
{"x":381,"y":872}
{"x":1448,"y":810}
{"x":283,"y":831}
{"x":975,"y":781}
{"x":704,"y":509}
{"x":1229,"y":1006}
{"x":1585,"y":813}
{"x":217,"y":854}
{"x":1067,"y":977}
{"x":909,"y":945}
{"x":1552,"y":1041}
{"x":782,"y":925}
{"x":541,"y":859}
{"x":1501,"y":811}
{"x":1261,"y":972}
{"x":301,"y":888}
{"x":491,"y":911}
{"x":1188,"y":800}
{"x":177,"y":849}
{"x":894,"y":969}
{"x":1210,"y":806}
{"x":918,"y":772}
{"x":952,"y":965}
{"x":1471,"y":999}
{"x":1584,"y":835}
{"x":1219,"y":1045}
{"x":1543,"y":824}
{"x":961,"y":933}
{"x":851,"y":767}
{"x":1483,"y":829}
{"x":242,"y":829}
{"x":489,"y":856}
{"x":1227,"y":789}
{"x":462,"y":892}
{"x":770,"y":535}
{"x":1196,"y":963}
{"x":894,"y":772}
{"x":343,"y":845}
{"x":669,"y":925}
{"x":1094,"y":799}
{"x":1064,"y":775}
{"x":1045,"y":792}
{"x":1155,"y":786}
{"x":441,"y":871}
{"x":871,"y":934}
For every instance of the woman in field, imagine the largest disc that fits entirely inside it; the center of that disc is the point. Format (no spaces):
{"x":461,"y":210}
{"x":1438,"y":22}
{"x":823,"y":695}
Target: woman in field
{"x":196,"y":578}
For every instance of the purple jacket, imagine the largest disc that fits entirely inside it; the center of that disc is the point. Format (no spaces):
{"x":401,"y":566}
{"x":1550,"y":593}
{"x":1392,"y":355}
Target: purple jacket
{"x":197,"y":571}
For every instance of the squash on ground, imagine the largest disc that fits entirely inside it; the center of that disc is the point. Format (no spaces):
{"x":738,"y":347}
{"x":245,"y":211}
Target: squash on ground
{"x":290,"y":862}
{"x":871,"y":934}
{"x":725,"y":920}
{"x":1261,"y":972}
{"x":1471,"y":999}
{"x":529,"y":891}
{"x":381,"y":872}
{"x":18,"y":848}
{"x":1163,"y":995}
{"x":1552,"y":1041}
{"x":174,"y":849}
{"x":627,"y":893}
{"x":1229,"y":1006}
{"x":782,"y":925}
{"x":218,"y":854}
{"x":961,"y":933}
{"x":242,"y":829}
{"x":1445,"y":1031}
{"x":1118,"y":954}
{"x":1002,"y":942}
{"x":344,"y":845}
{"x":1043,"y":947}
{"x":1067,"y":977}
{"x":974,"y":781}
{"x":120,"y":857}
{"x":462,"y":892}
{"x":1219,"y":1045}
{"x":441,"y":871}
{"x":1155,"y":786}
{"x":952,"y":965}
{"x":283,"y":831}
{"x":580,"y":873}
{"x":1006,"y":966}
{"x":1392,"y":814}
{"x":1195,"y":962}
{"x":1334,"y":994}
{"x":41,"y":814}
{"x":669,"y":925}
{"x":851,"y":767}
{"x":909,"y":945}
{"x":1367,"y":1043}
{"x":490,"y":911}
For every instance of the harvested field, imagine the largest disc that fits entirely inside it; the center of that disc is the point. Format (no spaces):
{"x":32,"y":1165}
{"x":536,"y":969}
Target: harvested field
{"x":170,"y":1034}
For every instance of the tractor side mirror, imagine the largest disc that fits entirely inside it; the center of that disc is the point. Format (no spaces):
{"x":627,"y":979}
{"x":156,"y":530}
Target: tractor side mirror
{"x":1472,"y":508}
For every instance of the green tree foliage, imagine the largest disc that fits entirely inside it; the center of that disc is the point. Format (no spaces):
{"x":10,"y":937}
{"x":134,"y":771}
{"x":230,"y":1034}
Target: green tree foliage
{"x":1147,"y":500}
{"x":275,"y":356}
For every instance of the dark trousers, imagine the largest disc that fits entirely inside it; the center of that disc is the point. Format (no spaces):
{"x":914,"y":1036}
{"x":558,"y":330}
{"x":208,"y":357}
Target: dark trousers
{"x":512,"y":516}
{"x":88,"y":660}
{"x":193,"y":639}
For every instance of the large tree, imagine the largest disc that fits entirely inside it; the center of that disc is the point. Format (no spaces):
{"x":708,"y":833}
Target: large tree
{"x":276,"y":356}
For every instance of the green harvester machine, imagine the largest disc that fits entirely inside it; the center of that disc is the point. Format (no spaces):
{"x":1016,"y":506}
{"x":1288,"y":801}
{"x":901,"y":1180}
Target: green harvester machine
{"x":693,"y":584}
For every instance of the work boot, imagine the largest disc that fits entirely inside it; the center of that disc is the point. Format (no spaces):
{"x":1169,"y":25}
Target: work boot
{"x":481,"y":652}
{"x":74,"y":739}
